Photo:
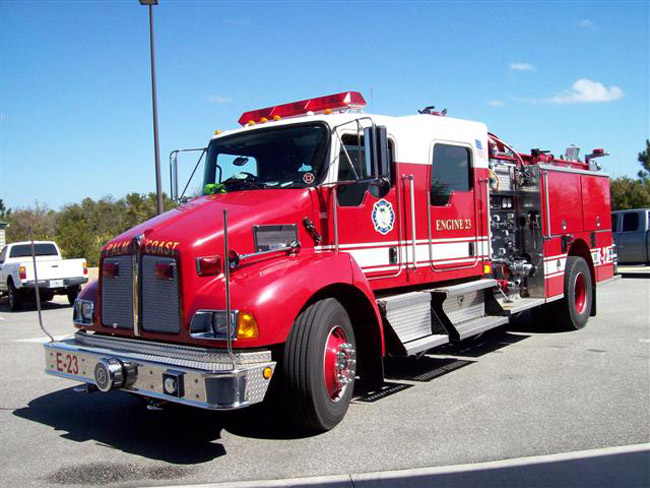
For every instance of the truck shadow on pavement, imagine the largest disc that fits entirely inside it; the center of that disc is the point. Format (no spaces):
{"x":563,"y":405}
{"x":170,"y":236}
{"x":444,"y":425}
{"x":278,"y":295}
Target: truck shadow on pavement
{"x":30,"y":306}
{"x":186,"y":436}
{"x":177,"y":434}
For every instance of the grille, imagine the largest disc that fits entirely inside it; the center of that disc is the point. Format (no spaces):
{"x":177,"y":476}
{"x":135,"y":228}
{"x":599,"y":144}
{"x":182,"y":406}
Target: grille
{"x":117,"y":295}
{"x":160,"y":299}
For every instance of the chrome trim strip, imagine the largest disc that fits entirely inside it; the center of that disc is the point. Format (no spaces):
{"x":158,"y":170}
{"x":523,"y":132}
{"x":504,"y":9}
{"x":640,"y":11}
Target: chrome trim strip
{"x":335,"y":218}
{"x":550,"y":167}
{"x":155,"y":348}
{"x":413,"y":229}
{"x":135,"y":260}
{"x":547,"y":205}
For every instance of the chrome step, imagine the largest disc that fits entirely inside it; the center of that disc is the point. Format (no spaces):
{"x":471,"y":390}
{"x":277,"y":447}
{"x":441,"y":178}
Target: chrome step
{"x":465,"y":287}
{"x":408,"y":314}
{"x":425,"y":343}
{"x":518,"y":304}
{"x":478,"y":325}
{"x":463,"y":302}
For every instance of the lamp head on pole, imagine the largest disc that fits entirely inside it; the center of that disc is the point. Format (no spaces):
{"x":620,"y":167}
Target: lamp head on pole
{"x":148,"y":2}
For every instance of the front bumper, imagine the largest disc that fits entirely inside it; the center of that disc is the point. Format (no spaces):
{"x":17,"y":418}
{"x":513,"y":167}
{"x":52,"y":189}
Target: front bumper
{"x":206,"y":378}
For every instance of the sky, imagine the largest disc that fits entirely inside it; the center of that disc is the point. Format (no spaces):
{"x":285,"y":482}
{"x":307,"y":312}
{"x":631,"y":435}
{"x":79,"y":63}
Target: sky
{"x":75,"y":93}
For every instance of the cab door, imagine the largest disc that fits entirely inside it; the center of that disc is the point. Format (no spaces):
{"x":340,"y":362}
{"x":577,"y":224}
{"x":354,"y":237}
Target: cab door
{"x":368,"y":226}
{"x":452,"y":206}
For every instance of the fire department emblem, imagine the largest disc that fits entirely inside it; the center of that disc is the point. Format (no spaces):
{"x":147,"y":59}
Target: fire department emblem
{"x":383,"y":217}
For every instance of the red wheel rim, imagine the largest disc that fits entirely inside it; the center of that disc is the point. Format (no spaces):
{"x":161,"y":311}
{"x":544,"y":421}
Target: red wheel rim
{"x":338,"y":363}
{"x":580,"y":293}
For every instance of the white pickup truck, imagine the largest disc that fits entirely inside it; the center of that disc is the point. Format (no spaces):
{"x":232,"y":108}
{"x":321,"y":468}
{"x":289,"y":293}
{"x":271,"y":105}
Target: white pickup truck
{"x":56,"y":276}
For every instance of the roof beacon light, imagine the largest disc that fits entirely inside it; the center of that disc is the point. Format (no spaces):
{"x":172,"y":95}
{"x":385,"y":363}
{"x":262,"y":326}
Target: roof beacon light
{"x":350,"y":100}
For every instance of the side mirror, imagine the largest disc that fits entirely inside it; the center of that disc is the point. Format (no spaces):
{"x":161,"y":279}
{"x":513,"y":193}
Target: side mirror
{"x":173,"y":175}
{"x":240,"y":161}
{"x":376,"y":152}
{"x":379,"y":187}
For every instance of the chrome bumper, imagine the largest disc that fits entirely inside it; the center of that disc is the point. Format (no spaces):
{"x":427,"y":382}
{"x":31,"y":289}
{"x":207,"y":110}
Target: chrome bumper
{"x":205,"y":377}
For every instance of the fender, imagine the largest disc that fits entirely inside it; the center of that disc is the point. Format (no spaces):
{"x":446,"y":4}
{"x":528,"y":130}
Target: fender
{"x":89,"y":292}
{"x":276,"y":290}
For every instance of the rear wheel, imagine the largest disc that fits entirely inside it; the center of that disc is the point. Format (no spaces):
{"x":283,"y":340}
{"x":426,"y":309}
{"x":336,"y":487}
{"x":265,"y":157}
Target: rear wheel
{"x":72,"y":293}
{"x":15,"y":297}
{"x":574,"y":309}
{"x":320,"y":365}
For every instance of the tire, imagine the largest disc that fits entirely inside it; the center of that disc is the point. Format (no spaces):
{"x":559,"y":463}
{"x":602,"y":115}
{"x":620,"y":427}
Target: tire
{"x":15,"y":297}
{"x":317,"y":397}
{"x":72,"y":293}
{"x":47,"y":297}
{"x":574,"y":309}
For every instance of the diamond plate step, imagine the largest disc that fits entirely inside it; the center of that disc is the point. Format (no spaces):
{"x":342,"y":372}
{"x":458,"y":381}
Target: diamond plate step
{"x":476,"y":326}
{"x":519,"y":304}
{"x":408,"y":314}
{"x":425,"y":343}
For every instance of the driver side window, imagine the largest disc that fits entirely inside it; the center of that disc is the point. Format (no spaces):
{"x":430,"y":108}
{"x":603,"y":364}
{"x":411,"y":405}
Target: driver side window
{"x":352,"y":168}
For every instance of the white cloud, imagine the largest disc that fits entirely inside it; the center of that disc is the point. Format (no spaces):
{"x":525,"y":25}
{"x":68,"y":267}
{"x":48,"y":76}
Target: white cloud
{"x":521,"y":67}
{"x":219,"y":99}
{"x":587,"y":24}
{"x":587,"y":91}
{"x":496,"y":103}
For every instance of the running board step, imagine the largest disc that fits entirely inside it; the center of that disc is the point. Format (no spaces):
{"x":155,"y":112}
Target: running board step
{"x":425,"y":343}
{"x":479,"y":325}
{"x":463,"y":288}
{"x":518,"y":304}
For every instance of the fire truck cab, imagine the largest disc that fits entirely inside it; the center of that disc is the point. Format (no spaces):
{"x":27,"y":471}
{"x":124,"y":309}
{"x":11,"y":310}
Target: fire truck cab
{"x":326,"y":239}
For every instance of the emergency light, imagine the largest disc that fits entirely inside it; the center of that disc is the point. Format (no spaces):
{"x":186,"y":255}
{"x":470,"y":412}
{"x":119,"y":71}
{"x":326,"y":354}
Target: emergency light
{"x":350,"y":100}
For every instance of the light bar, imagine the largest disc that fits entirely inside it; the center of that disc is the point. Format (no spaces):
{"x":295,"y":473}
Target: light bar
{"x":350,"y":100}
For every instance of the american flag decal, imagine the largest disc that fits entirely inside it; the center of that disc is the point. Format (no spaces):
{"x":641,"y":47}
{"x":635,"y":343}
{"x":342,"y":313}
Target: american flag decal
{"x":479,"y":148}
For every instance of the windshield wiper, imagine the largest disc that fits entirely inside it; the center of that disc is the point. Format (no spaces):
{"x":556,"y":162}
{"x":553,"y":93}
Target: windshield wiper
{"x":243,"y":181}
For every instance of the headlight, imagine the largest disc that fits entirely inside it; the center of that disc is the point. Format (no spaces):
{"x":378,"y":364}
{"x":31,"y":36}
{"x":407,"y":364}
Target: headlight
{"x":83,"y":312}
{"x":212,"y":324}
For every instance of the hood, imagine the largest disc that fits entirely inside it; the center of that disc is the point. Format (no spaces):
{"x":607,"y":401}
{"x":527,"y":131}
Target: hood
{"x":197,"y":226}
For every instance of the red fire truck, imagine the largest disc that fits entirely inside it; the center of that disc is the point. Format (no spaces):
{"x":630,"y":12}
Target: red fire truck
{"x":324,"y":241}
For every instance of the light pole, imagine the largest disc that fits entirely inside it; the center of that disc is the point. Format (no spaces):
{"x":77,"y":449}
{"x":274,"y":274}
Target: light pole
{"x":154,"y":103}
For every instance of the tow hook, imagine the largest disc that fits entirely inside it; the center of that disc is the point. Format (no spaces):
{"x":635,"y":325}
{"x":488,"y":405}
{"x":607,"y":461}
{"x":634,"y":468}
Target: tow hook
{"x":111,"y":374}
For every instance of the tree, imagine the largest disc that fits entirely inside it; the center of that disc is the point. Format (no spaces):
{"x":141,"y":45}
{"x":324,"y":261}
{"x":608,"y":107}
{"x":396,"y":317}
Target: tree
{"x":4,"y":212}
{"x":644,"y":159}
{"x":633,"y":193}
{"x":630,"y":193}
{"x":40,"y":218}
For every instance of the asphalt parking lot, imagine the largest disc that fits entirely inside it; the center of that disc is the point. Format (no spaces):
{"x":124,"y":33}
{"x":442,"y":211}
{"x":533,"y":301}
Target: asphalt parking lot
{"x":521,"y":391}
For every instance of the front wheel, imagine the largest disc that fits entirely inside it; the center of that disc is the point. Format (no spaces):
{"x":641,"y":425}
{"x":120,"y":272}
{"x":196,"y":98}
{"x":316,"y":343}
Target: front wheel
{"x":574,"y":309}
{"x":320,"y":365}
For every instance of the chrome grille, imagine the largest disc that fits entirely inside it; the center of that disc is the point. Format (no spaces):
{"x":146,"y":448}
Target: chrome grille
{"x":117,"y":295}
{"x":160,"y":298}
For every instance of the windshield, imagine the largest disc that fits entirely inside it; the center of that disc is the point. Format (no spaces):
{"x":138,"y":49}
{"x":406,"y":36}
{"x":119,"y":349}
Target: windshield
{"x":283,"y":157}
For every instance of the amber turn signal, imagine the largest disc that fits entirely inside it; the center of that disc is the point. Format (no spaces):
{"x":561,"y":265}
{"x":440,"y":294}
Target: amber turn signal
{"x":247,"y":326}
